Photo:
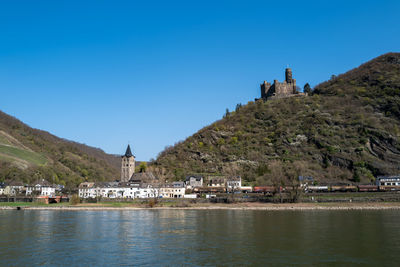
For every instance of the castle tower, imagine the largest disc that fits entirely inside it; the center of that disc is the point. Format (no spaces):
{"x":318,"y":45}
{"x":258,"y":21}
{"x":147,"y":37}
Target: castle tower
{"x":127,"y":165}
{"x":288,"y":75}
{"x":265,"y":87}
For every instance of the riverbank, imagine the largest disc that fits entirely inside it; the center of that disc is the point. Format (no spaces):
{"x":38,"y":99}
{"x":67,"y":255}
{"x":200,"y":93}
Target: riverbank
{"x":210,"y":206}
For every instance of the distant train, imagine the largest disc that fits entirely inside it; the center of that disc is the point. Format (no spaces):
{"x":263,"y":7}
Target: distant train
{"x":328,"y":188}
{"x":350,"y":188}
{"x":266,"y":189}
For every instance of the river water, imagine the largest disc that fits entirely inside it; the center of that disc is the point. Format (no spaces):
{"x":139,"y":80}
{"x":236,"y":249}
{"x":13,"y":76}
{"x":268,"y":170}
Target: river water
{"x":199,"y":237}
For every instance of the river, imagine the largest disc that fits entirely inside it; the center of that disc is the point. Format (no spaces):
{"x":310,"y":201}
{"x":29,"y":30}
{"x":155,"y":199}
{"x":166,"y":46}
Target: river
{"x":199,"y":237}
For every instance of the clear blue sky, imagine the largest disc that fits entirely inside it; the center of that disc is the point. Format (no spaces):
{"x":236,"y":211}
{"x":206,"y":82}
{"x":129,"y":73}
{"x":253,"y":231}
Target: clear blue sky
{"x":152,"y":73}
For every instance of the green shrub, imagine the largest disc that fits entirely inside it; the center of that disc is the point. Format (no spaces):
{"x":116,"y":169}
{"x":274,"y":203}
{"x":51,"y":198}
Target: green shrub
{"x":74,"y":200}
{"x":234,"y":140}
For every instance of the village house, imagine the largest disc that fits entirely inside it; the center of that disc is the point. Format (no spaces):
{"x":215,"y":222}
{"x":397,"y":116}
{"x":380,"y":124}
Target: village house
{"x":233,"y":183}
{"x":2,"y":188}
{"x":41,"y":188}
{"x":216,"y":181}
{"x":14,"y":188}
{"x":193,"y":181}
{"x":175,"y":190}
{"x":117,"y":192}
{"x":87,"y":190}
{"x":8,"y":191}
{"x":148,"y":192}
{"x":135,"y":190}
{"x":178,"y":184}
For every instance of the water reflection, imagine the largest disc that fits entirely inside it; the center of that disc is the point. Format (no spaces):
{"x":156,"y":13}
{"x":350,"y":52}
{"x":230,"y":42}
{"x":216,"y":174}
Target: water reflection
{"x":202,"y":237}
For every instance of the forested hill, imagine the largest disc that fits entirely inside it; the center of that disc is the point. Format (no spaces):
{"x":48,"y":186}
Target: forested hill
{"x":348,"y":130}
{"x":28,"y":154}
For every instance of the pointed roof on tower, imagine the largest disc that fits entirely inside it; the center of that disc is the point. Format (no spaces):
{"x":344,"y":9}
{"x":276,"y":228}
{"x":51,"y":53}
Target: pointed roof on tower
{"x":128,"y":152}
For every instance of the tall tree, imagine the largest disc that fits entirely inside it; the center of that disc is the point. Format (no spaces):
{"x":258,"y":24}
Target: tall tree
{"x":226,"y":112}
{"x":307,"y":88}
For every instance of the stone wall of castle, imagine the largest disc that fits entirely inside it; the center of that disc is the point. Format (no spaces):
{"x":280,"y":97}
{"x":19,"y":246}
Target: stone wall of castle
{"x":285,"y":88}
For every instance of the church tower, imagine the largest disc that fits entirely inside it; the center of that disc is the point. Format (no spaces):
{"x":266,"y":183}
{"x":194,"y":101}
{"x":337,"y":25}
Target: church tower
{"x":127,"y":165}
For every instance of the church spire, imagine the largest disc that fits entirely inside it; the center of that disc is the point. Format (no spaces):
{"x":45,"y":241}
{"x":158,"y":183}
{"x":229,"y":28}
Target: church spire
{"x":128,"y":152}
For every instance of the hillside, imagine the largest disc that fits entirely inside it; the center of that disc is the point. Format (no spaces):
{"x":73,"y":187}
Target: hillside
{"x":27,"y":154}
{"x":347,"y":131}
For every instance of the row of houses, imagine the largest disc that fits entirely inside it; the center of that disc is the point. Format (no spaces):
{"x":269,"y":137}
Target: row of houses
{"x":40,"y":188}
{"x":197,"y":181}
{"x":131,"y":190}
{"x":148,"y":186}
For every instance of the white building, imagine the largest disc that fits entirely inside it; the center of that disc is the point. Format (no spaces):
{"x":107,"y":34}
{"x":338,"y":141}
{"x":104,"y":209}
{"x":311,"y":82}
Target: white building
{"x":175,"y":190}
{"x":42,"y":188}
{"x":126,"y":190}
{"x":87,"y":190}
{"x":234,"y":183}
{"x":148,"y":192}
{"x":117,"y":190}
{"x":14,"y":188}
{"x":2,"y":189}
{"x":190,"y":196}
{"x":48,"y":191}
{"x":193,"y":181}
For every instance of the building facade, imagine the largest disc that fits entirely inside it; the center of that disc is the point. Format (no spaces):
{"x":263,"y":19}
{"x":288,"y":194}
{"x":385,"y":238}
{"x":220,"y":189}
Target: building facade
{"x":41,"y":188}
{"x":193,"y":181}
{"x":170,"y":191}
{"x":216,"y":181}
{"x":234,"y":183}
{"x":117,"y":190}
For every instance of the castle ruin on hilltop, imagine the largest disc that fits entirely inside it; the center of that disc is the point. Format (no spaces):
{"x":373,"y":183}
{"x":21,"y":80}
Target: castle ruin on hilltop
{"x":283,"y":89}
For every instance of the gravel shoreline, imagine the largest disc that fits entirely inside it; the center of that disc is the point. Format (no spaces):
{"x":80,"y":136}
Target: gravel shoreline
{"x":266,"y":207}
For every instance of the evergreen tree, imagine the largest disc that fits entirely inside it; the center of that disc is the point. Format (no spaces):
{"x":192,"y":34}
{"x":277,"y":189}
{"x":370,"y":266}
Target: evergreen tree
{"x":307,"y":88}
{"x":226,"y":113}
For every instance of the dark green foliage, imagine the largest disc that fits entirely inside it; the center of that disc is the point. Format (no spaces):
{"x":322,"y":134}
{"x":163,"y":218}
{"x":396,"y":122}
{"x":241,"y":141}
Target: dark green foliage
{"x":375,"y":83}
{"x":227,"y":112}
{"x":142,"y":167}
{"x":307,"y":89}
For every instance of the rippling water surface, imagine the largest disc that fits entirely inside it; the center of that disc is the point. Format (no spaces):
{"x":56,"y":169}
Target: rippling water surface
{"x":199,"y":237}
